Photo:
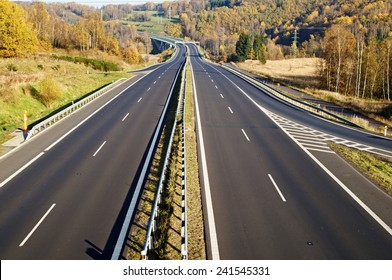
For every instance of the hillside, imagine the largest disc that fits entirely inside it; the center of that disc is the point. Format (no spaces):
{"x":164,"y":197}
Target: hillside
{"x":218,"y":28}
{"x":20,"y":87}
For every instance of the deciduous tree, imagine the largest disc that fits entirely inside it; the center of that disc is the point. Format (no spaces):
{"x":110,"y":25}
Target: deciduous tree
{"x":339,"y":45}
{"x":17,"y":37}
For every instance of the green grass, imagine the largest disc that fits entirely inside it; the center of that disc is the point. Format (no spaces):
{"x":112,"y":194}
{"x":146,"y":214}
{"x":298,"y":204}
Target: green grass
{"x":17,"y":88}
{"x":377,"y":169}
{"x":155,"y":25}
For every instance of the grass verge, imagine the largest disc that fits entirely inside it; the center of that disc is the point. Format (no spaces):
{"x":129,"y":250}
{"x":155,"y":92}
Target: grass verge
{"x":196,"y":236}
{"x":139,"y":227}
{"x":167,"y":238}
{"x":377,"y":169}
{"x":18,"y":88}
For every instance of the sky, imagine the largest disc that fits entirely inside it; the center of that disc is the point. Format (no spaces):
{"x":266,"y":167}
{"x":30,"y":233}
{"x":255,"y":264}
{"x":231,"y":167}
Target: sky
{"x":99,"y":3}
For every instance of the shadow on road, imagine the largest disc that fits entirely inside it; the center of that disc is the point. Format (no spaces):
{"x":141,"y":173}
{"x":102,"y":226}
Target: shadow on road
{"x":106,"y":253}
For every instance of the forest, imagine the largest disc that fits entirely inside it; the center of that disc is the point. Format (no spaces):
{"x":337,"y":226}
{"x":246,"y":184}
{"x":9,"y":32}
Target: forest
{"x":26,"y":28}
{"x":354,"y":37}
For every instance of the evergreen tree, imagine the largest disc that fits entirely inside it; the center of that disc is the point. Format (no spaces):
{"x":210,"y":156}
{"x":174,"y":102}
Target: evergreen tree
{"x":259,"y":48}
{"x":243,"y":47}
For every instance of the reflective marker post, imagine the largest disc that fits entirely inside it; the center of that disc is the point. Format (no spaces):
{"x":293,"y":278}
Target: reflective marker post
{"x":25,"y":121}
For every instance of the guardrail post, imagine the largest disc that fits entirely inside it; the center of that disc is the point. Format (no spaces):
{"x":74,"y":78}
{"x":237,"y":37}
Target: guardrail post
{"x":46,"y":123}
{"x":148,"y":244}
{"x":385,"y":130}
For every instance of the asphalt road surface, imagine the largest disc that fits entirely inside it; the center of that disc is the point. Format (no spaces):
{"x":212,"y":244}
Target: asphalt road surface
{"x":64,"y":193}
{"x":266,"y":196}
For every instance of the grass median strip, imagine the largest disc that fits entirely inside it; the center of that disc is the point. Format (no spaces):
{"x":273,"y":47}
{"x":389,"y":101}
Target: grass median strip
{"x":167,"y":237}
{"x":376,"y":168}
{"x":196,"y":240}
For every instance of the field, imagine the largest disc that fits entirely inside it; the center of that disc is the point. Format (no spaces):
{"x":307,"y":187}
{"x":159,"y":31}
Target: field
{"x":302,"y":73}
{"x":154,"y":26}
{"x":297,"y":71}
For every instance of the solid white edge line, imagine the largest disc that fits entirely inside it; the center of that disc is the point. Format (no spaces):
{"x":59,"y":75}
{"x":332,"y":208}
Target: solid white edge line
{"x":125,"y":117}
{"x":131,"y":209}
{"x":86,"y":119}
{"x":37,"y":225}
{"x":246,"y":136}
{"x":20,"y":170}
{"x":100,"y":147}
{"x":344,"y":187}
{"x":210,"y":210}
{"x":277,"y":188}
{"x":322,"y":151}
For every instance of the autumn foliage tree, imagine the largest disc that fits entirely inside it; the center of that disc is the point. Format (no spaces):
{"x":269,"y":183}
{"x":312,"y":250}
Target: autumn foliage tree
{"x":339,"y":49}
{"x":173,"y":29}
{"x":17,"y":37}
{"x":131,"y":54}
{"x":41,"y":20}
{"x":357,"y":63}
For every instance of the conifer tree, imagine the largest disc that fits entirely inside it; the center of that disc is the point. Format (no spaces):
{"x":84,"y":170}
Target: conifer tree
{"x":243,"y":47}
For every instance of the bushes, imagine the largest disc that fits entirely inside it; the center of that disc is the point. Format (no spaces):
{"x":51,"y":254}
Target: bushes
{"x":12,"y":67}
{"x":7,"y":95}
{"x":48,"y":92}
{"x":96,"y":64}
{"x":131,"y":55}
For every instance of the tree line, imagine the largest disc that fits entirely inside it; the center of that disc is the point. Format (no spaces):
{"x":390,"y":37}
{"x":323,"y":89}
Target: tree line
{"x":28,"y":27}
{"x":357,"y":63}
{"x":353,"y":37}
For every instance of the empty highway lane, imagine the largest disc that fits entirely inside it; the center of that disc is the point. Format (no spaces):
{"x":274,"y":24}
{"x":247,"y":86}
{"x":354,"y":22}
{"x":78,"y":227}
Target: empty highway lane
{"x":270,"y":198}
{"x":70,"y":200}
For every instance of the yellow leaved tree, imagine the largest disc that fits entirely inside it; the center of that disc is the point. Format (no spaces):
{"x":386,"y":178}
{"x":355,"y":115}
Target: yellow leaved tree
{"x":17,"y":37}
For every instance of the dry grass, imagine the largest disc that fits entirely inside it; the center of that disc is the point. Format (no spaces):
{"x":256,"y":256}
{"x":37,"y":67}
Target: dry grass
{"x":138,"y":231}
{"x":167,"y":239}
{"x":196,"y":242}
{"x":167,"y":236}
{"x":374,"y":109}
{"x":170,"y":223}
{"x":303,"y":73}
{"x":298,"y":71}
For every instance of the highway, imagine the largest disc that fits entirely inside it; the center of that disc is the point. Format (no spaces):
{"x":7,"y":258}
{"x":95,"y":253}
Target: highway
{"x":272,"y":188}
{"x":64,"y":194}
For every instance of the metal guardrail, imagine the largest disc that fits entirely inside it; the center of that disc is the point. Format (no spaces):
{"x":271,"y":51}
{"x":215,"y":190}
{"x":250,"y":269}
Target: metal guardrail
{"x":184,"y":235}
{"x":295,"y":102}
{"x":148,"y":244}
{"x":70,"y":109}
{"x":143,"y":175}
